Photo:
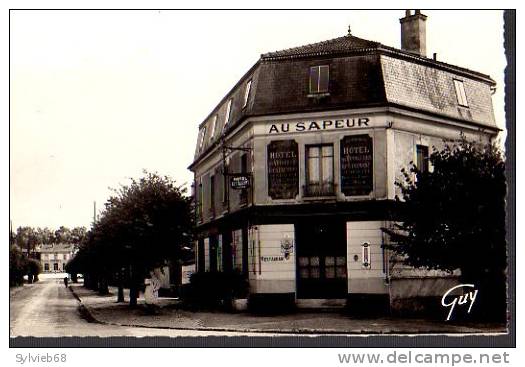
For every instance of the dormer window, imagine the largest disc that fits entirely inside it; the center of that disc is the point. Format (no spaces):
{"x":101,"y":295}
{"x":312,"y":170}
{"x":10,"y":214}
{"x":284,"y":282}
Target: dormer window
{"x":319,"y":77}
{"x":460,"y":93}
{"x":228,"y":113}
{"x":213,"y":126}
{"x":201,"y":139}
{"x":247,"y":93}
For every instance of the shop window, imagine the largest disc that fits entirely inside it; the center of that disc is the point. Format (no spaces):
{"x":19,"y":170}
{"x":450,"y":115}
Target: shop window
{"x":460,"y":93}
{"x":319,"y":170}
{"x":219,"y":253}
{"x":422,"y":158}
{"x":247,"y":93}
{"x":237,"y":250}
{"x":319,"y":77}
{"x":228,"y":113}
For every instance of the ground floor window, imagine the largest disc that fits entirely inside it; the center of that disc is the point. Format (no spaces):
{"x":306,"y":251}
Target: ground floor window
{"x":55,"y":266}
{"x":46,"y":267}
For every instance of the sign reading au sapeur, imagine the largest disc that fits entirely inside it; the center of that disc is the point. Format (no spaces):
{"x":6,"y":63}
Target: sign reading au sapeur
{"x":357,"y":165}
{"x":283,"y":169}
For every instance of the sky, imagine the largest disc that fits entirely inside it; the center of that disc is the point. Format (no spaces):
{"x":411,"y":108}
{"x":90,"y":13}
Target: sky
{"x":98,"y":96}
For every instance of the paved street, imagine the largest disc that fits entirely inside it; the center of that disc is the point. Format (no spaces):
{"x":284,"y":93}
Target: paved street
{"x":47,"y":308}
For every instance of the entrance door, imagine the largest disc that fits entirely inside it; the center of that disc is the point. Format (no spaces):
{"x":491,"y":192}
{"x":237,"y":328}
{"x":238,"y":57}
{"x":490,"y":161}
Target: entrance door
{"x":321,"y":259}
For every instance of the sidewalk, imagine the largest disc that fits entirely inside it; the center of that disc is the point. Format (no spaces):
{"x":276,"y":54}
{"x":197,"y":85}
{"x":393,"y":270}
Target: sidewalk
{"x":104,"y":309}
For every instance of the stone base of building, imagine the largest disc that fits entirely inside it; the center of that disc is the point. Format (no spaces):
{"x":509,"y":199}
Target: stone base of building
{"x":321,"y":304}
{"x":271,"y":302}
{"x":368,"y":304}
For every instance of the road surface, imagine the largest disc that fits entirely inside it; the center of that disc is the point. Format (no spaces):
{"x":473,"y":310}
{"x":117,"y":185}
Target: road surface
{"x":48,"y":309}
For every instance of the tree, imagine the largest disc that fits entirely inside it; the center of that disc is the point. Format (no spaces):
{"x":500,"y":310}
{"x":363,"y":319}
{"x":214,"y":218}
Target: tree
{"x":142,"y":225}
{"x":453,"y":217}
{"x":63,"y":235}
{"x":27,"y":238}
{"x":33,"y":268}
{"x":17,"y":266}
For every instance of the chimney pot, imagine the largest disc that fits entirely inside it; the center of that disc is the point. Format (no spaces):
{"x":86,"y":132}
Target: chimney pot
{"x":413,"y":33}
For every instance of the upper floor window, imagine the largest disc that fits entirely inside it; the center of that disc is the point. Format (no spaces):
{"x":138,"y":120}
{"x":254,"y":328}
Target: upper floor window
{"x":422,"y":158}
{"x":460,"y":93}
{"x":319,"y":77}
{"x":319,"y":170}
{"x":247,"y":93}
{"x":201,"y":139}
{"x":228,"y":113}
{"x":212,"y":195}
{"x":199,"y":199}
{"x":213,"y":127}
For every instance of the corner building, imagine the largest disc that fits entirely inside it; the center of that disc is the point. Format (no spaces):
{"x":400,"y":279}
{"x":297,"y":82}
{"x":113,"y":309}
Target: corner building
{"x":295,"y":167}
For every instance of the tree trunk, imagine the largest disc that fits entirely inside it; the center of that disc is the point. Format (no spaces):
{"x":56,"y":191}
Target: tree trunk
{"x":103,"y":286}
{"x":133,"y":294}
{"x":120,"y":296}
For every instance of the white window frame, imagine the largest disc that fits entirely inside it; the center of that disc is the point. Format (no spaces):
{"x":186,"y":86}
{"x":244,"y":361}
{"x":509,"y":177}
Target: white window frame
{"x":461,"y":96}
{"x":228,"y":113}
{"x":318,"y":86}
{"x":247,"y":93}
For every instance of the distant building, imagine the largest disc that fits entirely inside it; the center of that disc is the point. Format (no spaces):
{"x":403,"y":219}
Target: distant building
{"x":295,"y":167}
{"x":54,"y":257}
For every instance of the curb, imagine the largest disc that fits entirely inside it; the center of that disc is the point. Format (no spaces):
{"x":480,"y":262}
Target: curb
{"x":85,"y":313}
{"x":88,"y":315}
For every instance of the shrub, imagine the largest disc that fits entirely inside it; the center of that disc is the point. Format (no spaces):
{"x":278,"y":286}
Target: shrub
{"x":216,"y":289}
{"x":33,"y":268}
{"x":17,"y":267}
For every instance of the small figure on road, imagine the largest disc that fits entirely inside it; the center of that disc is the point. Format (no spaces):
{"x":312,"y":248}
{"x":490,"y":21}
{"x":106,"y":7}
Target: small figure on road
{"x":65,"y":281}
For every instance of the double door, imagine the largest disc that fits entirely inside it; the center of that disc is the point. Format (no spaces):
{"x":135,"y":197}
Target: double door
{"x":321,"y":259}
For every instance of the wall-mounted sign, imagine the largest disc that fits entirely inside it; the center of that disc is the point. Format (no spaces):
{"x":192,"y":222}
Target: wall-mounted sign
{"x":357,"y":165}
{"x":283,"y":169}
{"x":240,"y":182}
{"x":318,"y":125}
{"x":366,"y":255}
{"x":272,"y":258}
{"x":286,"y":247}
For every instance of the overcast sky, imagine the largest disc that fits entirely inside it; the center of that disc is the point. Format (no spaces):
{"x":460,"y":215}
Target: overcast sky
{"x":98,"y":96}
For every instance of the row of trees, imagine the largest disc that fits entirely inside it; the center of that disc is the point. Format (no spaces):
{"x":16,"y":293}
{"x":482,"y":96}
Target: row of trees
{"x":28,"y":237}
{"x":143,"y":225}
{"x":20,"y":265}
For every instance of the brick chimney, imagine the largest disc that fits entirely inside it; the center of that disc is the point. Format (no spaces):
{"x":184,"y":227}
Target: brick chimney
{"x":413,"y":33}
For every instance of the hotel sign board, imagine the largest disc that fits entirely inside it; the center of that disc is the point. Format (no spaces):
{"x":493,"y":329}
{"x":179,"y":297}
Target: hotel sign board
{"x":240,"y":182}
{"x":283,"y":169}
{"x":357,"y":165}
